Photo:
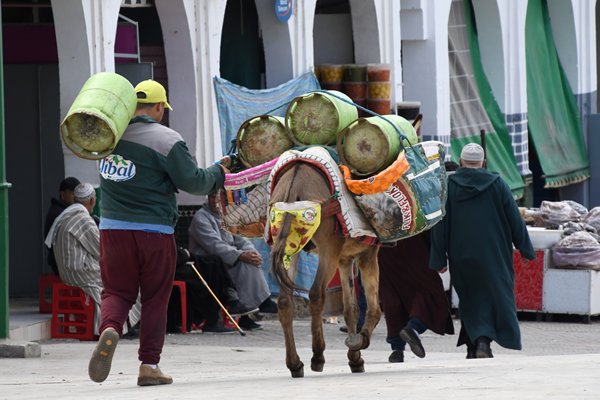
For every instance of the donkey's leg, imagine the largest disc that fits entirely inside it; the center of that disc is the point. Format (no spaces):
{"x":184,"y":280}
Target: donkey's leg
{"x":348,"y":295}
{"x":285,"y":312}
{"x":353,"y":340}
{"x":325,"y":272}
{"x":370,"y":280}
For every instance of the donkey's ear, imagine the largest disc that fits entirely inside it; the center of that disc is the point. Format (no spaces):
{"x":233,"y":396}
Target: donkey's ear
{"x":417,"y":123}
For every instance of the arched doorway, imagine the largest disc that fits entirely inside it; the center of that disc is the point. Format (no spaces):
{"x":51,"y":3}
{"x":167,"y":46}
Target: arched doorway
{"x":242,"y":52}
{"x":333,"y":33}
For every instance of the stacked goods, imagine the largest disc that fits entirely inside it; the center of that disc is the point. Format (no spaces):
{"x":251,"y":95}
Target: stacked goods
{"x":369,"y":145}
{"x":316,"y":118}
{"x":99,"y":115}
{"x":331,"y":76}
{"x":355,"y":84}
{"x":261,"y":139}
{"x":379,"y":88}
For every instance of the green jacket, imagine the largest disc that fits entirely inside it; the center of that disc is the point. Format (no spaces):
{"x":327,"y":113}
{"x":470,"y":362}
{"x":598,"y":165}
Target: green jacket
{"x":147,"y":167}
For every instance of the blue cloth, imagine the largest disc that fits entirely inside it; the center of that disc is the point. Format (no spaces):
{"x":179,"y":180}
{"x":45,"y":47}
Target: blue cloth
{"x":237,"y":104}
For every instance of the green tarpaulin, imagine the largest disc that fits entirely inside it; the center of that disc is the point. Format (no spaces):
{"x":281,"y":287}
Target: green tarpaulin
{"x":554,"y":123}
{"x":473,"y":106}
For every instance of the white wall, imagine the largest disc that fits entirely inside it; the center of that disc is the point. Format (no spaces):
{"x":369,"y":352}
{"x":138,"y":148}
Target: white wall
{"x":85,"y":36}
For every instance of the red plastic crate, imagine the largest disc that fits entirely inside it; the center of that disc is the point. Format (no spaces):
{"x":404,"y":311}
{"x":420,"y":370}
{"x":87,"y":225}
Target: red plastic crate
{"x":72,"y":313}
{"x":45,"y":284}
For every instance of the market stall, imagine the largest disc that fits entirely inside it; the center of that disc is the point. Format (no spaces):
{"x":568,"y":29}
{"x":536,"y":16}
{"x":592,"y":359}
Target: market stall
{"x":572,"y":287}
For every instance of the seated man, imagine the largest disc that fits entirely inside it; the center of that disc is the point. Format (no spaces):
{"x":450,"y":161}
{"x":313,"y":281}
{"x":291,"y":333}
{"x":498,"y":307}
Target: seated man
{"x":75,"y":238}
{"x":244,"y":263}
{"x":201,"y":306}
{"x":57,"y":206}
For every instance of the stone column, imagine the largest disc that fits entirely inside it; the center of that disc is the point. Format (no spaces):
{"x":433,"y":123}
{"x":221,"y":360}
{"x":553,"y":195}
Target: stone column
{"x":300,"y":26}
{"x":425,"y":66}
{"x":85,"y":36}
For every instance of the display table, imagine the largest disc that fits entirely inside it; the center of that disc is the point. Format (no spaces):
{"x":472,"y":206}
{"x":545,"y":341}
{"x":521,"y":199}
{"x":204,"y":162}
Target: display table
{"x":539,"y":287}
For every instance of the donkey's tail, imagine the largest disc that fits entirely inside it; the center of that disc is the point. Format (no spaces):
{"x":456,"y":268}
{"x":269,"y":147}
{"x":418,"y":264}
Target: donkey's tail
{"x":278,"y":252}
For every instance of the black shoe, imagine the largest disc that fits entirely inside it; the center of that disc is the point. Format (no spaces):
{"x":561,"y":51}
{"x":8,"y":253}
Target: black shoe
{"x":412,"y":339}
{"x":268,"y":306}
{"x":240,"y":309}
{"x":470,"y":354}
{"x":217,"y":328}
{"x":397,"y":356}
{"x":248,"y":324}
{"x":483,"y":349}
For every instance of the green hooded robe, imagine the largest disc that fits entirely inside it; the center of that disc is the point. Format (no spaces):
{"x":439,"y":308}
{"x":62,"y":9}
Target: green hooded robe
{"x":477,"y":234}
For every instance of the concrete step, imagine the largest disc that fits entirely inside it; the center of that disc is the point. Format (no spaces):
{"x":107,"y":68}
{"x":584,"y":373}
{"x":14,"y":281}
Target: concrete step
{"x":26,"y":323}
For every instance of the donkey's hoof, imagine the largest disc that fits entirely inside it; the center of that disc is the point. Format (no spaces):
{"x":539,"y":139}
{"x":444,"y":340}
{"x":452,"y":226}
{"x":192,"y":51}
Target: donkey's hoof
{"x":316,"y":363}
{"x":298,"y":372}
{"x":354,"y":341}
{"x":317,"y":366}
{"x":357,"y":367}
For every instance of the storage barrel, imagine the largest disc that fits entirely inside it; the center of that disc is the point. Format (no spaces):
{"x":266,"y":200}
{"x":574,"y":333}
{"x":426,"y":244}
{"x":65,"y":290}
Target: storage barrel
{"x":316,"y":118}
{"x":261,"y":139}
{"x":369,"y":145}
{"x":99,"y":115}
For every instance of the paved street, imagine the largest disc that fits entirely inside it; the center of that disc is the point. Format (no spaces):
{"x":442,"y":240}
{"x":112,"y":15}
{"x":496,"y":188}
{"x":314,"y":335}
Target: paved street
{"x":559,"y":361}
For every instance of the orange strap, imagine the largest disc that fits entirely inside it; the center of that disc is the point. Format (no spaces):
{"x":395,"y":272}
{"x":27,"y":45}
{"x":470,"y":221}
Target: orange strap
{"x":380,"y":182}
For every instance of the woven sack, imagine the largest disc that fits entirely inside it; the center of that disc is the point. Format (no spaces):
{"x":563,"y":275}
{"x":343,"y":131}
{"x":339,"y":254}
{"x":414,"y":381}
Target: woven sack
{"x":413,"y":203}
{"x":244,"y":200}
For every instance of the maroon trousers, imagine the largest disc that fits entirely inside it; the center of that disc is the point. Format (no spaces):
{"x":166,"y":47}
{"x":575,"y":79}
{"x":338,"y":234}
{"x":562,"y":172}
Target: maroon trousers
{"x":132,"y":262}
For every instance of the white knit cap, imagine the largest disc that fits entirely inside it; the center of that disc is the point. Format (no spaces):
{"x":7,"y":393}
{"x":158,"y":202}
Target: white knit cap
{"x":472,"y":152}
{"x":84,"y":191}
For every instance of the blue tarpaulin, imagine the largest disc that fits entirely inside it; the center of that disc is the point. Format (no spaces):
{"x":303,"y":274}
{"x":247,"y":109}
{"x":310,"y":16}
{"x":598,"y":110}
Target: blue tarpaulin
{"x":236,"y":103}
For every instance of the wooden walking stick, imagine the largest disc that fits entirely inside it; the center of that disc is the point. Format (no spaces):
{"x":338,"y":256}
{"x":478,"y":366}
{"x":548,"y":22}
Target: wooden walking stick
{"x":240,"y":330}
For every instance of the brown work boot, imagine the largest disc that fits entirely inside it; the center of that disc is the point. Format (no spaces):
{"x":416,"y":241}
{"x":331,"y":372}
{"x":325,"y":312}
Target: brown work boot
{"x":101,"y":360}
{"x":152,"y":376}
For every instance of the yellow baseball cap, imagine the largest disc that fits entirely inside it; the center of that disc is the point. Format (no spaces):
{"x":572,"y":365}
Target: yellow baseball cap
{"x":150,"y":91}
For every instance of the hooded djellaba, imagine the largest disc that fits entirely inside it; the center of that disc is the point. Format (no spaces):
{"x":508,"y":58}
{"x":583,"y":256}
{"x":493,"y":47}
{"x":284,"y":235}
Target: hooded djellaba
{"x":476,"y":236}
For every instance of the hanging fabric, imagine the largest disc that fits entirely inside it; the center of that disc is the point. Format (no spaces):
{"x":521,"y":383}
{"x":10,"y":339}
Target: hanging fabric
{"x":473,"y":107}
{"x":553,"y":117}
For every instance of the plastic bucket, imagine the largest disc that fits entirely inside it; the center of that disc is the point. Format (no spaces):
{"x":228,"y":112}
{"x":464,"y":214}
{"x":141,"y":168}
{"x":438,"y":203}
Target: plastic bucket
{"x":381,"y":107}
{"x":355,"y":73}
{"x":99,"y":115}
{"x":355,"y":90}
{"x":378,"y":72}
{"x":316,"y":118}
{"x":261,"y":139}
{"x":379,"y":90}
{"x":369,"y":145}
{"x":331,"y":73}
